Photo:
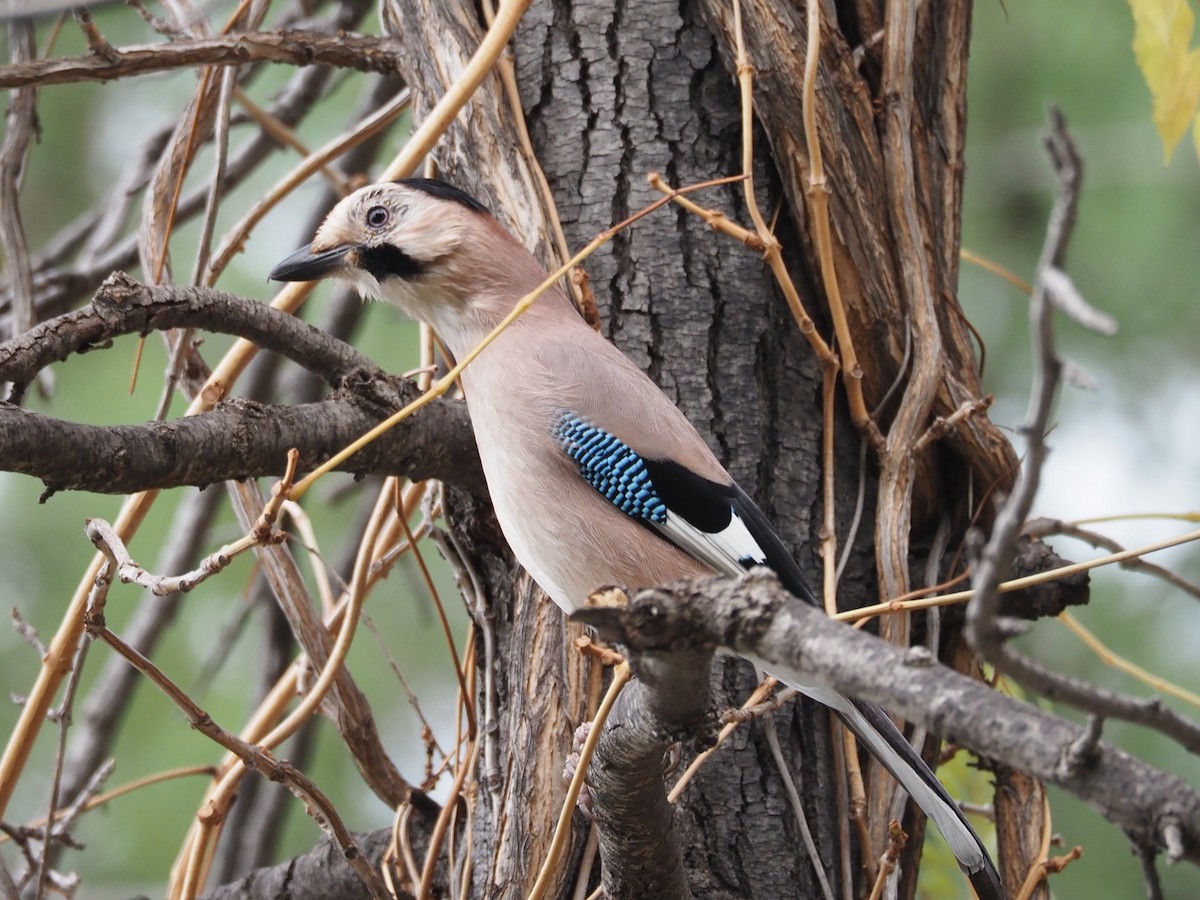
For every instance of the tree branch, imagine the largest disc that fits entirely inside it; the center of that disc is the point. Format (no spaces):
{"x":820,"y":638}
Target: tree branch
{"x":668,"y":701}
{"x":299,"y":48}
{"x":321,"y":873}
{"x":239,"y":439}
{"x":754,"y":616}
{"x":123,"y":306}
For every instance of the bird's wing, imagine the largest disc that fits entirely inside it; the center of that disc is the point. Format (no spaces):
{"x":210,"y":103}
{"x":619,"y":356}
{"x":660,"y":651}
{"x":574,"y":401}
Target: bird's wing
{"x":718,"y":523}
{"x":714,"y":522}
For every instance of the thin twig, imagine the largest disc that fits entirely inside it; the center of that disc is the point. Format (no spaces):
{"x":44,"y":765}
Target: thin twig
{"x":106,"y":539}
{"x":793,"y":795}
{"x":20,"y":131}
{"x":1017,"y":584}
{"x":997,"y":555}
{"x":198,"y":848}
{"x":64,"y":725}
{"x":254,"y":757}
{"x":817,"y":193}
{"x":984,"y":628}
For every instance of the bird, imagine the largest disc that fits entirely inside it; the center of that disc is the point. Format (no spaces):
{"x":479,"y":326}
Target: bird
{"x":565,"y":422}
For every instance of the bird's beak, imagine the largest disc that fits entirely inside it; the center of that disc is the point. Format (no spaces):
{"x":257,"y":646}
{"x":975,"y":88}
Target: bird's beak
{"x":305,"y":265}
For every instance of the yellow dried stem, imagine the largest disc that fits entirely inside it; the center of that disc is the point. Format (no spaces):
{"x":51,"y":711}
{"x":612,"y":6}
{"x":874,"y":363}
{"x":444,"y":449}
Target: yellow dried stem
{"x":897,"y":606}
{"x":896,"y":841}
{"x":770,"y":244}
{"x":443,"y":823}
{"x":562,"y":830}
{"x":312,"y":546}
{"x":116,"y":793}
{"x":1045,"y":866}
{"x":452,"y":102}
{"x":1131,"y":517}
{"x":286,"y":136}
{"x":508,"y":79}
{"x":995,"y":268}
{"x":818,"y":197}
{"x":757,"y":696}
{"x":196,"y":868}
{"x":1113,"y":660}
{"x":427,"y":578}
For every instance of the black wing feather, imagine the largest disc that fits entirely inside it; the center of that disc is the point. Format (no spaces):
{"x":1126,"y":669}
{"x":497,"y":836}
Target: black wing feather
{"x":775,"y":554}
{"x":705,"y":504}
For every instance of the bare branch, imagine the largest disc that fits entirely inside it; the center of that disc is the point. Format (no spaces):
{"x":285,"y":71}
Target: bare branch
{"x":320,"y":874}
{"x":986,"y":631}
{"x":755,"y":616}
{"x":299,"y":48}
{"x":20,"y":131}
{"x":113,"y":688}
{"x":239,"y":439}
{"x":253,"y":756}
{"x":668,"y":701}
{"x":123,"y":306}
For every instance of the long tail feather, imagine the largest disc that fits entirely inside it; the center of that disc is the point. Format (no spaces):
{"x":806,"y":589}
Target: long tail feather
{"x":883,"y":739}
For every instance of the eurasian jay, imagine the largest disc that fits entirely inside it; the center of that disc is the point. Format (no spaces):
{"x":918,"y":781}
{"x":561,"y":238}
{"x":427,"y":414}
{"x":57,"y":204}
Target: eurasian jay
{"x":565,"y":421}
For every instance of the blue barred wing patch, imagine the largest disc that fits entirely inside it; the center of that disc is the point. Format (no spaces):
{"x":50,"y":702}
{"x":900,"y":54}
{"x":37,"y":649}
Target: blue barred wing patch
{"x":610,"y":466}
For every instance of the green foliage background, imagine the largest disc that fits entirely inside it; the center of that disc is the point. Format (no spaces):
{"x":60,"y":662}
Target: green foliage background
{"x":1126,"y":447}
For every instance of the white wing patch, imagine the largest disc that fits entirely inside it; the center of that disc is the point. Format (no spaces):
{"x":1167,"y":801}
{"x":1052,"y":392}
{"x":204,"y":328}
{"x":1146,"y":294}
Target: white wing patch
{"x":727,"y":550}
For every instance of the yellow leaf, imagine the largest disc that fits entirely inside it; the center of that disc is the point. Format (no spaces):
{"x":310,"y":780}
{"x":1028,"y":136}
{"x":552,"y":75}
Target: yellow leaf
{"x":1162,"y":37}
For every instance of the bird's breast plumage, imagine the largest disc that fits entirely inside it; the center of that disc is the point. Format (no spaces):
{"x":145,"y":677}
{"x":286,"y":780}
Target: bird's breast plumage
{"x":573,"y":499}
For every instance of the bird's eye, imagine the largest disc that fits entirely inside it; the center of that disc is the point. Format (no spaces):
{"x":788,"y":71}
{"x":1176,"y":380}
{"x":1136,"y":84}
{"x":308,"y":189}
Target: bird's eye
{"x":378,"y":216}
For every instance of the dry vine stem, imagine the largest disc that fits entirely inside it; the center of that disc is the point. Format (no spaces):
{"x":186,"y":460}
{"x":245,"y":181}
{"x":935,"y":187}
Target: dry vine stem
{"x":254,"y":757}
{"x":229,"y":776}
{"x":116,"y":793}
{"x":764,"y":240}
{"x":1016,"y":584}
{"x":57,"y":661}
{"x":508,"y":77}
{"x":122,"y":566}
{"x":1111,"y":659}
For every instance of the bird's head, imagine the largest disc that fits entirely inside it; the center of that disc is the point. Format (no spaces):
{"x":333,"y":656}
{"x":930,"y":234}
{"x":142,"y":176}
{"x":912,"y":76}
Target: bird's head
{"x":408,"y":242}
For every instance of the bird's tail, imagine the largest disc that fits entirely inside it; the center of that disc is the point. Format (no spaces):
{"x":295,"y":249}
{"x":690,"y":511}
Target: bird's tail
{"x":883,"y":739}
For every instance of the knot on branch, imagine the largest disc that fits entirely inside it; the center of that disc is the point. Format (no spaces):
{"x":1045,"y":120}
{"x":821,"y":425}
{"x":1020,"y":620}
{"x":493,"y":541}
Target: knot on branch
{"x":1043,"y":600}
{"x":1083,"y":752}
{"x":116,"y":292}
{"x":653,"y":622}
{"x":757,"y":606}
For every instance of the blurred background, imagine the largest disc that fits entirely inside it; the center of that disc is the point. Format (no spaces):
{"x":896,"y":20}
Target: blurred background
{"x":1126,"y":447}
{"x":1129,"y":445}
